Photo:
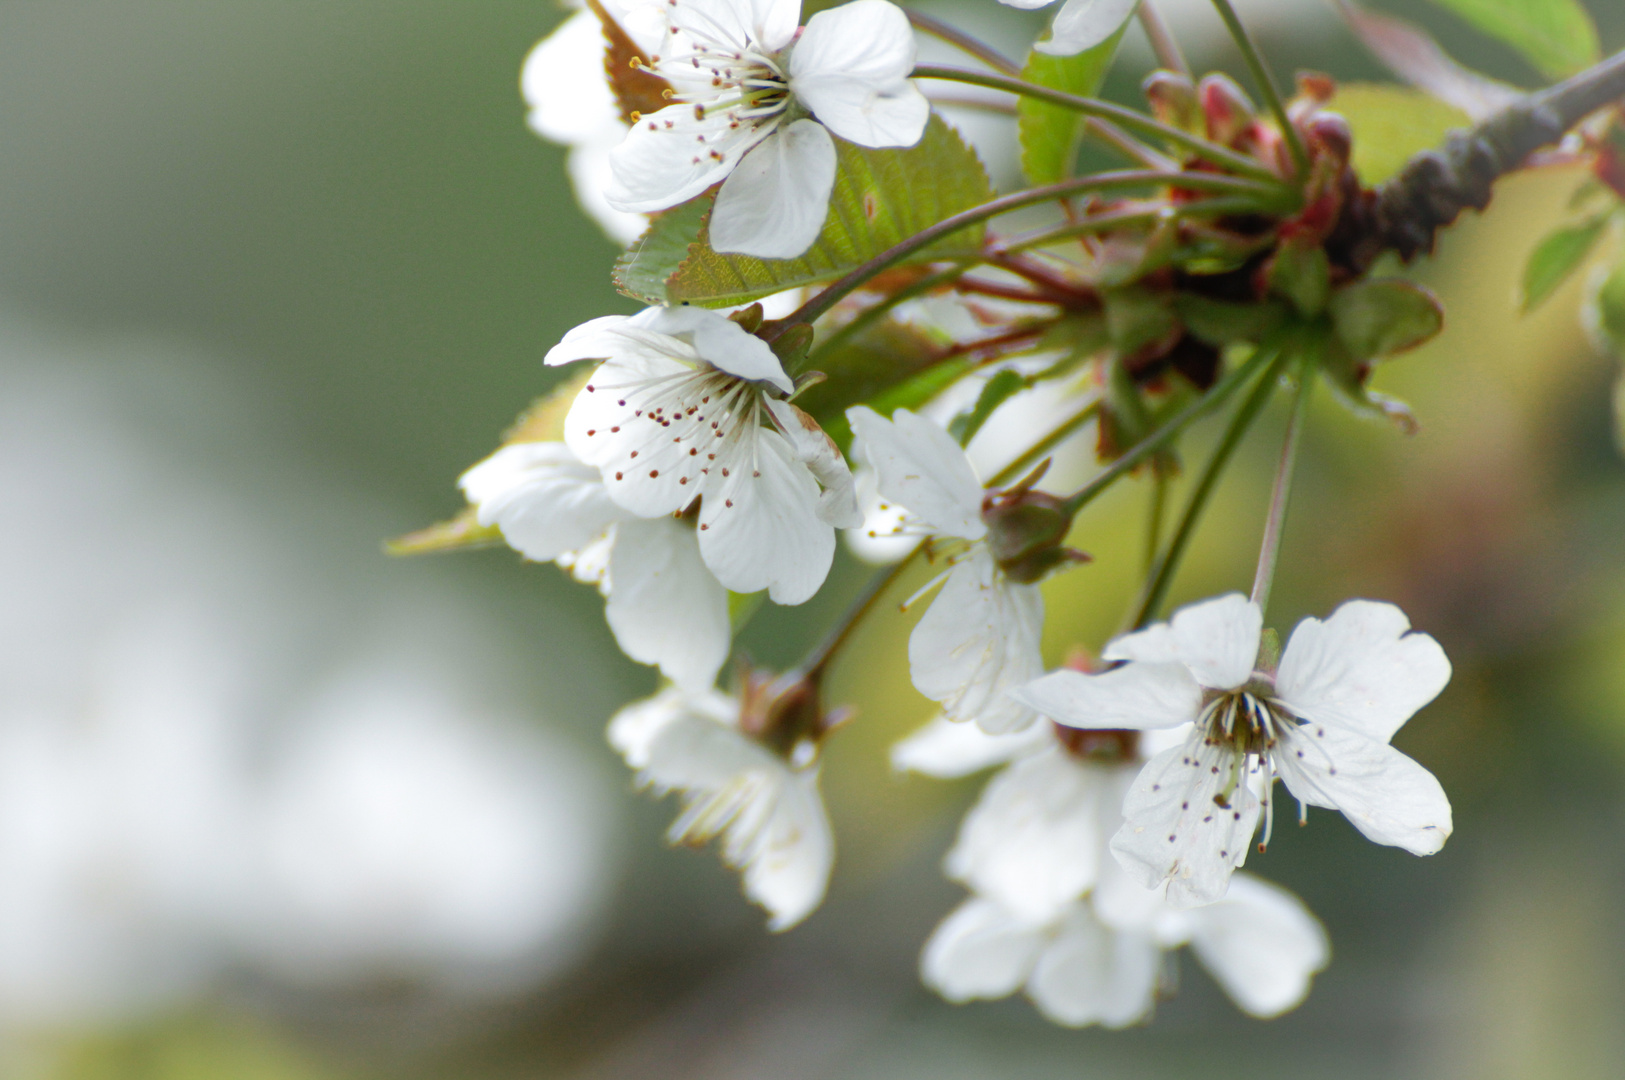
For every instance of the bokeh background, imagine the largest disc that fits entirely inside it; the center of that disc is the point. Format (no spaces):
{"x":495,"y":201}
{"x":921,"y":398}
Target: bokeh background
{"x":274,"y":807}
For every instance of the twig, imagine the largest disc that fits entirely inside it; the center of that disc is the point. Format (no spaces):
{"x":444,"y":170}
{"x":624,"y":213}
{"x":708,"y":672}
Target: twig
{"x":1405,"y":213}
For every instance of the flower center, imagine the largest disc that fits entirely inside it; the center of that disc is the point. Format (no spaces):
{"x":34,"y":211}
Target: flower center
{"x":729,"y":75}
{"x":1247,"y":723}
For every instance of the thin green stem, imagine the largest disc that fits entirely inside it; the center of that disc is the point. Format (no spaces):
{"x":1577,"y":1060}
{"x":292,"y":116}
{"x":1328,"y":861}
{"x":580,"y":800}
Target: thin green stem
{"x":1156,"y":589}
{"x":1107,"y":181}
{"x":963,"y":41}
{"x":876,"y":311}
{"x":1126,"y":118}
{"x":1112,"y":219}
{"x":1166,"y":433}
{"x":1153,"y":522}
{"x":1037,"y":450}
{"x":883,"y":580}
{"x":1266,"y":85}
{"x":855,"y":613}
{"x":1162,"y":39}
{"x":1270,"y":549}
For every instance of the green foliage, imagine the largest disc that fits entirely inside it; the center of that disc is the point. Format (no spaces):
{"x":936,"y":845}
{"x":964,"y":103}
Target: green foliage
{"x":1390,"y":124}
{"x":1556,"y":258}
{"x":1048,"y":133}
{"x":887,"y":366}
{"x":1301,"y":274}
{"x":460,"y":533}
{"x":995,"y":392}
{"x":1609,"y":308}
{"x":1220,"y":322}
{"x":881,"y":198}
{"x":1378,"y":318}
{"x":1556,"y":36}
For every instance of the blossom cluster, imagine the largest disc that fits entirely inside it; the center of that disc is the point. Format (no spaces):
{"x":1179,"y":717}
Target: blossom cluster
{"x":702,"y":461}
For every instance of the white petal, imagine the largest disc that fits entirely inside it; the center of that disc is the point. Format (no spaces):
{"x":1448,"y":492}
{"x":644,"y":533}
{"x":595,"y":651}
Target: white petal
{"x":880,"y":538}
{"x":1026,"y":5}
{"x":838,"y":505}
{"x":1137,"y":696}
{"x":759,"y":524}
{"x":787,"y":867}
{"x":545,"y":500}
{"x":588,"y":166}
{"x":1217,"y":639}
{"x":1033,"y":841}
{"x":1361,"y":668}
{"x":634,"y":728}
{"x":720,"y":342}
{"x":770,"y":23}
{"x":563,"y":83}
{"x":1388,"y":797}
{"x":664,"y":606}
{"x":1083,"y":24}
{"x":1261,"y":944}
{"x":630,"y":422}
{"x":851,"y":69}
{"x":948,"y":750}
{"x":978,"y":640}
{"x":770,"y":818}
{"x":1121,"y":903}
{"x":622,"y":337}
{"x":980,"y":951}
{"x":921,"y":467}
{"x":670,"y":157}
{"x":1092,"y":975}
{"x":774,"y":202}
{"x":1175,"y":835}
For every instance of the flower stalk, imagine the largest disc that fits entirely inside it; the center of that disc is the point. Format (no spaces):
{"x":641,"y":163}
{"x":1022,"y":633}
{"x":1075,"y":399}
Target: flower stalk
{"x":1270,"y":548}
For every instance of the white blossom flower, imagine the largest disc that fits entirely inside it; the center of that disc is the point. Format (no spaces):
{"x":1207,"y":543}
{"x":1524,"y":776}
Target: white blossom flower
{"x":766,"y":808}
{"x":663,"y":605}
{"x":1080,"y":24}
{"x":571,"y":103}
{"x":685,"y":407}
{"x":754,"y":106}
{"x":980,"y":636}
{"x":1259,"y":943}
{"x":1050,"y":912}
{"x":1321,"y":724}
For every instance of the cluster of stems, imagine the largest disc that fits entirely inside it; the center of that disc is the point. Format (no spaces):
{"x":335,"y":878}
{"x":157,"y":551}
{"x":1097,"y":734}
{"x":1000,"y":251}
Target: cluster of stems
{"x":1402,"y":215}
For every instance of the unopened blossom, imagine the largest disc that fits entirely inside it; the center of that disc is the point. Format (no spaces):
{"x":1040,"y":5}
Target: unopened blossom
{"x":571,"y":103}
{"x":980,"y":637}
{"x":755,"y":101}
{"x":1080,"y":24}
{"x":663,"y":605}
{"x":1321,"y":723}
{"x":1259,"y":943}
{"x":688,"y":406}
{"x":764,"y":806}
{"x":1053,"y":913}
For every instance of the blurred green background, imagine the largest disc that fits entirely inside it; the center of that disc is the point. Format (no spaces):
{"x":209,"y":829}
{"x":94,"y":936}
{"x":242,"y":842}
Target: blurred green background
{"x":335,"y":214}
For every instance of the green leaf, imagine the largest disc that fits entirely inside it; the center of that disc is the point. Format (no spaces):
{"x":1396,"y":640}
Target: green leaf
{"x":881,"y":198}
{"x":1048,"y":133}
{"x":1222,"y":322}
{"x":995,"y":392}
{"x":1609,"y":304}
{"x":1302,"y":275}
{"x":1378,"y":318}
{"x":887,"y":366}
{"x":1556,"y":36}
{"x":1390,"y":124}
{"x":1557,"y":257}
{"x":460,"y":533}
